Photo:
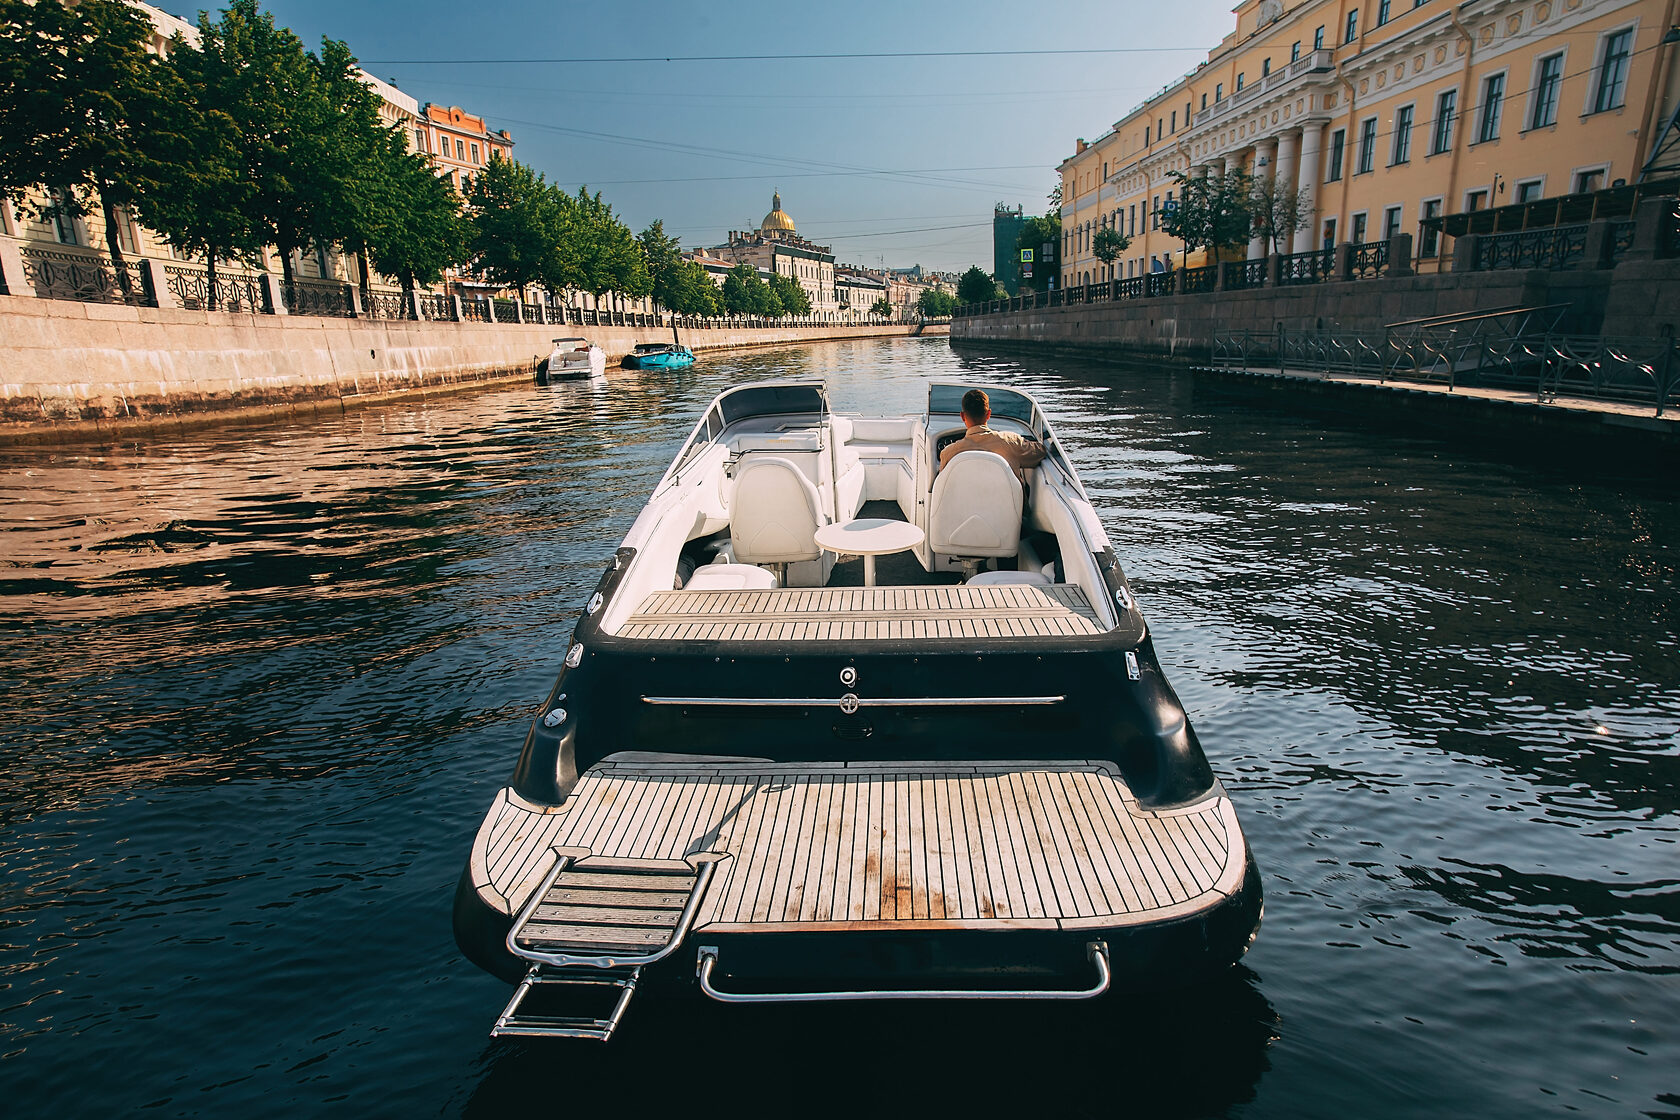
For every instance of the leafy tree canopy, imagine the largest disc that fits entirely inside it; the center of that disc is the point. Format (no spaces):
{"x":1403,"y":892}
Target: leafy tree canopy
{"x":691,"y":291}
{"x":1278,"y":212}
{"x":881,"y":307}
{"x":517,"y":226}
{"x":1213,"y":212}
{"x":664,"y":261}
{"x":1109,"y":243}
{"x":419,"y":230}
{"x":791,"y":294}
{"x":936,"y":304}
{"x":976,"y":286}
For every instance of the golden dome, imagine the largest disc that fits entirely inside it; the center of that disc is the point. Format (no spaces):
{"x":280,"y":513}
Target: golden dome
{"x":777,"y":219}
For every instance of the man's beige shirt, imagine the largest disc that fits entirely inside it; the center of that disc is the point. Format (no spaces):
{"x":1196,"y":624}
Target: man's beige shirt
{"x":1018,"y":451}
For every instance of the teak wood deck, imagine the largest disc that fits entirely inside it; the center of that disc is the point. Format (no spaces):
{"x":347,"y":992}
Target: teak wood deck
{"x":832,"y":846}
{"x":854,"y":613}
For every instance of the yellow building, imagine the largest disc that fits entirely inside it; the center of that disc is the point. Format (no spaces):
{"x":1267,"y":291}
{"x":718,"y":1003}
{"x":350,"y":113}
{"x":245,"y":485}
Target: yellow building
{"x":1384,"y":112}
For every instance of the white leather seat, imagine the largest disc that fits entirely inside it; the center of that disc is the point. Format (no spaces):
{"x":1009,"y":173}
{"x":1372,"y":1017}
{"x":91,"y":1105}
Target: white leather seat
{"x":774,"y":512}
{"x":730,"y":577}
{"x":1038,"y":579}
{"x":976,"y":509}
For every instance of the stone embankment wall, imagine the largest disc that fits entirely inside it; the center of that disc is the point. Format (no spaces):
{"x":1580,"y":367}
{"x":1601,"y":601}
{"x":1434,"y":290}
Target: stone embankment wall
{"x":70,"y":369}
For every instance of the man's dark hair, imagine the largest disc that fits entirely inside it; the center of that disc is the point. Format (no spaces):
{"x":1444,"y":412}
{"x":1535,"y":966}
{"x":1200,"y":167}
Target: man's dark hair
{"x":976,"y":404}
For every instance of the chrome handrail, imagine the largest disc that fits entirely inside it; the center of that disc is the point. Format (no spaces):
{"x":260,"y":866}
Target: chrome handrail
{"x":1096,"y":952}
{"x":704,"y":864}
{"x":858,"y":701}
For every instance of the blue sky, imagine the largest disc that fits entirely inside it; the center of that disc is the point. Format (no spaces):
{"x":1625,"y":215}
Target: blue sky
{"x":703,"y":144}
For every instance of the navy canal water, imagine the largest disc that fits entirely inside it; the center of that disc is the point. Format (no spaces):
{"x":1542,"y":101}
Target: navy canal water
{"x":260,"y":684}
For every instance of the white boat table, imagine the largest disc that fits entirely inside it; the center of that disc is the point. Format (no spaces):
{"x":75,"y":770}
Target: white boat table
{"x":868,"y":537}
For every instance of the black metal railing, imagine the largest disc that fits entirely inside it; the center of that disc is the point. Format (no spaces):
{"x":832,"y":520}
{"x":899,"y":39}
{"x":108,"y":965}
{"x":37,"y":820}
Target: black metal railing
{"x":55,"y":274}
{"x":1158,"y":284}
{"x":1241,"y":275}
{"x":235,"y":291}
{"x":323,"y":298}
{"x":435,"y":307}
{"x":1133,"y":287}
{"x":1621,"y":237}
{"x":1312,"y":267}
{"x":1194,"y":280}
{"x":386,"y":305}
{"x":474,"y":309}
{"x":507,"y":311}
{"x":1368,"y":260}
{"x":1552,"y":248}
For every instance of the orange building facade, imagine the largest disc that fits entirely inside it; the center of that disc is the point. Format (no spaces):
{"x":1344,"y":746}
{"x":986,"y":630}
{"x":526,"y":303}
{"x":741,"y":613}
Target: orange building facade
{"x":459,"y":143}
{"x":1383,"y":113}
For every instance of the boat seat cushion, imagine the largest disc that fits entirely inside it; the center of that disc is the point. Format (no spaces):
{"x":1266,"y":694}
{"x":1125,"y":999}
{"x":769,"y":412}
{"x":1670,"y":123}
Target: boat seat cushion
{"x":774,"y":512}
{"x":730,"y":577}
{"x":1036,"y":578}
{"x":976,"y":507}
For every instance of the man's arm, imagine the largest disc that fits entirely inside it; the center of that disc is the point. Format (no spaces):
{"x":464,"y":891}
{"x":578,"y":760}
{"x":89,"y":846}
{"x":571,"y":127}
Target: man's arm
{"x":950,"y":453}
{"x":1032,"y":453}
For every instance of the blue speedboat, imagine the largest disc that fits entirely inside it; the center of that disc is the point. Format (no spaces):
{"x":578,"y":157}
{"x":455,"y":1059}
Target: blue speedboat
{"x":659,"y":355}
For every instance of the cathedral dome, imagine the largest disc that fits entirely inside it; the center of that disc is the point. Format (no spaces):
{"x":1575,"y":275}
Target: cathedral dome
{"x":777,"y":219}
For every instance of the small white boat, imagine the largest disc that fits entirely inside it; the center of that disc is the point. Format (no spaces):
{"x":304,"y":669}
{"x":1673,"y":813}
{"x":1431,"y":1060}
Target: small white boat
{"x":767,"y":774}
{"x":572,"y":359}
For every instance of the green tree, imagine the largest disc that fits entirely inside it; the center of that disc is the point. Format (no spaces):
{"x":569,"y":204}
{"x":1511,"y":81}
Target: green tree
{"x":1212,"y":212}
{"x":1109,"y":243}
{"x":934,"y":303}
{"x":1277,"y":211}
{"x":516,"y":227}
{"x":744,"y":293}
{"x":881,"y":308}
{"x":664,"y":262}
{"x":608,"y":256}
{"x":418,"y":230}
{"x":976,"y":286}
{"x":791,"y":294}
{"x":204,"y":201}
{"x":345,"y":158}
{"x":691,"y":291}
{"x":1035,"y":234}
{"x":81,"y":98}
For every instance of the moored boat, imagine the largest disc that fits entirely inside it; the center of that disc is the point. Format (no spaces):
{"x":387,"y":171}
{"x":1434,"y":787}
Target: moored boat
{"x":659,"y":355}
{"x":572,"y":359}
{"x":952,"y":771}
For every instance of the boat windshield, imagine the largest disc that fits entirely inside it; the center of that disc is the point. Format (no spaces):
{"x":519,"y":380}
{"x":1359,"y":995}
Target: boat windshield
{"x":773,"y":400}
{"x":947,"y":399}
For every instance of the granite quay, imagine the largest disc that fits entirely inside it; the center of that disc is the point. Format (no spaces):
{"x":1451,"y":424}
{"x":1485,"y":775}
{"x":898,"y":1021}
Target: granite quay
{"x":80,"y":368}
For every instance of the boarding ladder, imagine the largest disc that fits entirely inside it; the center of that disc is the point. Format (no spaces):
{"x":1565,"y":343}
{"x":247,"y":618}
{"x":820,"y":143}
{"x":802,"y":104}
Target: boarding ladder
{"x":595,"y":923}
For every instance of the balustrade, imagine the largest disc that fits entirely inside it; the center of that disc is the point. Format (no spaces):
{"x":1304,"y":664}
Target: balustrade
{"x":1312,"y":267}
{"x":1367,"y":260}
{"x":1554,"y":247}
{"x":326,"y":299}
{"x":436,"y":308}
{"x":1245,"y":274}
{"x":88,"y":279}
{"x":385,"y":305}
{"x":1204,"y":279}
{"x":234,"y":291}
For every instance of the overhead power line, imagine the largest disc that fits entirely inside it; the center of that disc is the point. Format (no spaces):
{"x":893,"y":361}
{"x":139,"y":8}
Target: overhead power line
{"x":803,"y":57}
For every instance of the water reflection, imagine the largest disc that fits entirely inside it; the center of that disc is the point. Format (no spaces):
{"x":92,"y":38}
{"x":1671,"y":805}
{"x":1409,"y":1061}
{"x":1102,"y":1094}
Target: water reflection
{"x":262,"y":682}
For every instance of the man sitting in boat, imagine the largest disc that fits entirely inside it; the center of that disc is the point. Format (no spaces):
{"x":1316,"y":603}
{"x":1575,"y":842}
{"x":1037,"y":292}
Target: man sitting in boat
{"x":1018,"y":451}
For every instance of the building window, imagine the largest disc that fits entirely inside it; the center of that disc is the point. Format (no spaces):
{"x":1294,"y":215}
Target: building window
{"x":1588,"y":181}
{"x":1531,"y":190}
{"x":461,"y":150}
{"x":475,"y":153}
{"x":1359,"y":228}
{"x":1612,"y":72}
{"x":1429,"y":238}
{"x":1546,"y":87}
{"x":1218,"y":92}
{"x":1155,"y":214}
{"x":1105,"y":170}
{"x":64,"y":225}
{"x":1318,"y":45}
{"x":1265,"y":67}
{"x":1446,"y":106}
{"x":1352,"y":26}
{"x":1338,"y":146}
{"x":1173,"y":126}
{"x":1493,"y":100}
{"x":1295,"y":51}
{"x":1204,"y":101}
{"x":1382,"y":12}
{"x":1402,"y":151}
{"x":1367,"y":145}
{"x":1329,"y":233}
{"x":419,"y":139}
{"x":1391,"y":223}
{"x":1240,"y":79}
{"x":1474,"y":200}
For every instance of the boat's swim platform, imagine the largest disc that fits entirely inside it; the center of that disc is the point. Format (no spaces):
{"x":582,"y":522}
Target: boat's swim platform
{"x":908,"y":846}
{"x":866,"y":613}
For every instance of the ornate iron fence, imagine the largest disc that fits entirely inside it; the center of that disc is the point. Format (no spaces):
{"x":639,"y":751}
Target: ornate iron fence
{"x":1313,"y":267}
{"x":474,"y":309}
{"x":1553,"y":248}
{"x":329,"y":300}
{"x":86,"y":278}
{"x":1158,"y":284}
{"x":1621,"y":237}
{"x":435,"y":307}
{"x":386,"y":305}
{"x":1205,"y":279}
{"x":1130,"y":288}
{"x":1240,"y":275}
{"x":235,"y":291}
{"x":507,"y":311}
{"x":1367,"y":260}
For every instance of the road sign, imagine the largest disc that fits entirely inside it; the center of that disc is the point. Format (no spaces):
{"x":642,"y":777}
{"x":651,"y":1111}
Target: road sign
{"x":1026,"y":256}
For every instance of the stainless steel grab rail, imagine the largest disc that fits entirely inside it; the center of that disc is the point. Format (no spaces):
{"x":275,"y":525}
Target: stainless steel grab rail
{"x":1096,"y":952}
{"x":859,"y":701}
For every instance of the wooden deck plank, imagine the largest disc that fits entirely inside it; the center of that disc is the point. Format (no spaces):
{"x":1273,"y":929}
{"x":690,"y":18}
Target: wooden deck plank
{"x":568,"y":914}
